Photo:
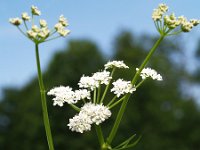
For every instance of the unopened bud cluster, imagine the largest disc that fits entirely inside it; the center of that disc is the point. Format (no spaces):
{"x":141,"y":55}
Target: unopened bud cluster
{"x":93,"y":110}
{"x":41,"y":32}
{"x":166,"y":23}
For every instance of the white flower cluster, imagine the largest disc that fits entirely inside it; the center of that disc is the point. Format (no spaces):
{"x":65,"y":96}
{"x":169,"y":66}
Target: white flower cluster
{"x":60,"y":26}
{"x":158,"y":13}
{"x":65,"y":94}
{"x":171,"y":21}
{"x":117,"y":64}
{"x":90,"y":114}
{"x":95,"y":80}
{"x":15,"y":21}
{"x":148,"y":72}
{"x":40,"y":33}
{"x":122,"y":87}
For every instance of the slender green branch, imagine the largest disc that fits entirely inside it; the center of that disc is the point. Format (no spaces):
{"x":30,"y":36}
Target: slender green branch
{"x":22,"y":31}
{"x":99,"y":93}
{"x":52,"y":38}
{"x":75,"y":107}
{"x":175,"y":33}
{"x":117,"y":102}
{"x":140,"y":83}
{"x":107,"y":87}
{"x":99,"y":134}
{"x":112,"y":101}
{"x":25,"y":25}
{"x":94,"y":96}
{"x":125,"y":101}
{"x":43,"y":99}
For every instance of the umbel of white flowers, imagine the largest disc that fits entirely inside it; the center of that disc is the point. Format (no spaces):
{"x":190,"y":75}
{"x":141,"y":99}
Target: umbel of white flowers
{"x":41,"y":32}
{"x":93,"y":111}
{"x":171,"y":22}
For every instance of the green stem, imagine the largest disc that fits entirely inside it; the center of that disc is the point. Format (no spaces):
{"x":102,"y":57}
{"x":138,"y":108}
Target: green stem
{"x":22,"y":32}
{"x":140,"y":83}
{"x":125,"y":101}
{"x":43,"y":99}
{"x":107,"y":87}
{"x":75,"y":107}
{"x":112,"y":101}
{"x":99,"y":134}
{"x":117,"y":102}
{"x":99,"y":93}
{"x":94,"y":95}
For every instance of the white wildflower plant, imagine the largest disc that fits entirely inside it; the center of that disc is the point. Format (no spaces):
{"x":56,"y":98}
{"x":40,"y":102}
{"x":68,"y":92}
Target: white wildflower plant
{"x":92,"y":101}
{"x":40,"y":33}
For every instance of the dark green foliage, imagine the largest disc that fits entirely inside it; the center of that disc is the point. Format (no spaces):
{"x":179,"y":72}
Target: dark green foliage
{"x":157,"y":110}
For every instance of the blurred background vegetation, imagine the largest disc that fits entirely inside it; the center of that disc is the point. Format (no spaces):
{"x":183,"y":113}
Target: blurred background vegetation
{"x":162,"y":112}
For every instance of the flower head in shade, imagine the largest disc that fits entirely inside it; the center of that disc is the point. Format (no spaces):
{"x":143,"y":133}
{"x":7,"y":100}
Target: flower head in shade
{"x":62,"y":94}
{"x":35,"y":10}
{"x":122,"y":87}
{"x":148,"y":72}
{"x":90,"y":114}
{"x":81,"y":94}
{"x":88,"y":82}
{"x":117,"y":64}
{"x":95,"y":80}
{"x":80,"y":123}
{"x":102,"y":77}
{"x":96,"y":112}
{"x":15,"y":21}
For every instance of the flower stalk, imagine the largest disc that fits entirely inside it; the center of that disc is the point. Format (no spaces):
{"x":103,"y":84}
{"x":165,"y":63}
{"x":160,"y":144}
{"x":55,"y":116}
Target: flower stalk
{"x":43,"y":100}
{"x":125,"y":101}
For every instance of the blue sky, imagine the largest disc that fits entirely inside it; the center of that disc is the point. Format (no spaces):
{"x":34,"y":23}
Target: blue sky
{"x":99,"y":21}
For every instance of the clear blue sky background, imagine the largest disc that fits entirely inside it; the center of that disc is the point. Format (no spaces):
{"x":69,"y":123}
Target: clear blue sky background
{"x":98,"y":20}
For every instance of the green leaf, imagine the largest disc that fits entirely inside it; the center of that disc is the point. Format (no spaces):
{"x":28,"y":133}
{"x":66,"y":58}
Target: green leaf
{"x":126,"y":145}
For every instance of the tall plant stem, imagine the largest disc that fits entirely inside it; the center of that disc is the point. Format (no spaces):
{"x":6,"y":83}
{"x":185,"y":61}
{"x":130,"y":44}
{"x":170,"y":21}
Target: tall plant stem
{"x":125,"y":101}
{"x":43,"y":99}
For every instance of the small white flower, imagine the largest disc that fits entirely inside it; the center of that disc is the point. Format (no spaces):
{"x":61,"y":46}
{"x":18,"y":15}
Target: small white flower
{"x":35,"y":10}
{"x":35,"y":28}
{"x":163,"y":7}
{"x":63,"y":20}
{"x":88,"y":82}
{"x":44,"y":33}
{"x":102,"y":77}
{"x":58,"y":26}
{"x":121,"y":87}
{"x":187,"y":26}
{"x":80,"y":123}
{"x":171,"y":21}
{"x":43,"y":23}
{"x":15,"y":21}
{"x":117,"y":64}
{"x":62,"y":94}
{"x":81,"y":94}
{"x":63,"y":32}
{"x":31,"y":34}
{"x":157,"y":14}
{"x":97,"y":113}
{"x":195,"y":22}
{"x":148,"y":72}
{"x":25,"y":16}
